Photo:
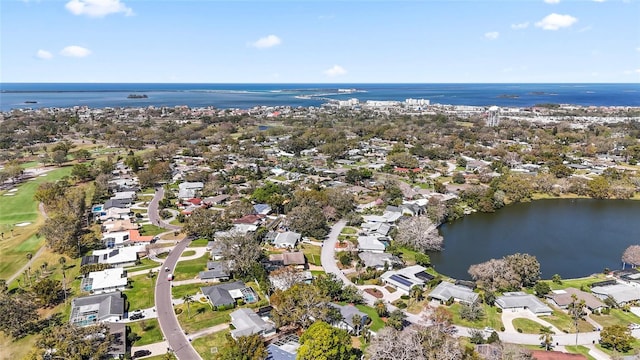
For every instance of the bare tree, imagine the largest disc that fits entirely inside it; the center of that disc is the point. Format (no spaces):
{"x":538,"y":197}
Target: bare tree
{"x":244,"y":251}
{"x":494,"y":274}
{"x":419,"y":233}
{"x":632,"y":255}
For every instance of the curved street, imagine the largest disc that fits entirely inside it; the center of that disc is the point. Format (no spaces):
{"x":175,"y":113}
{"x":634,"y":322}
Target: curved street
{"x":167,"y":319}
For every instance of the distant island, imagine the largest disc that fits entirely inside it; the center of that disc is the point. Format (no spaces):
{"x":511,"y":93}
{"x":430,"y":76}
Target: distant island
{"x":508,"y":96}
{"x":137,"y":96}
{"x":30,"y":102}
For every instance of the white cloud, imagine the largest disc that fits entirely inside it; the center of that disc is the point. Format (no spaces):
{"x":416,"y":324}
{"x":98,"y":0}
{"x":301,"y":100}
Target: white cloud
{"x":520,"y":26}
{"x":492,"y":35}
{"x":44,"y":54}
{"x":556,"y":21}
{"x":552,"y":1}
{"x":267,"y":42}
{"x":98,"y":8}
{"x":335,"y":70}
{"x":75,"y":51}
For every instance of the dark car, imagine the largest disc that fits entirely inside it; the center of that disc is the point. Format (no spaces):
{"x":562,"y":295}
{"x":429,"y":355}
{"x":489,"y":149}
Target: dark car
{"x":136,"y":316}
{"x":141,"y":353}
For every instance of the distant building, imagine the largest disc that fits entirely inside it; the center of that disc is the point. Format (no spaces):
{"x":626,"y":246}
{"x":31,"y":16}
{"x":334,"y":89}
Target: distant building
{"x":493,"y":116}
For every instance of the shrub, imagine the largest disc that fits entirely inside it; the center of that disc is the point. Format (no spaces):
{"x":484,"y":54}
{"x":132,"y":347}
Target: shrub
{"x":178,"y":311}
{"x":519,"y":330}
{"x":404,"y":297}
{"x":402,"y":305}
{"x":501,"y":328}
{"x":499,"y":310}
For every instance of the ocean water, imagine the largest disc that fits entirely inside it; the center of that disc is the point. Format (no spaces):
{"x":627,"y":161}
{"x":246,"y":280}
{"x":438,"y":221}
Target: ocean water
{"x":243,"y":96}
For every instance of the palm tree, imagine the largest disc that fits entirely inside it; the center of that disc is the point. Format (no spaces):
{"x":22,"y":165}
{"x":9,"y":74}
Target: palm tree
{"x":188,"y":299}
{"x":44,"y":266}
{"x":29,"y":257}
{"x":356,"y":321}
{"x":416,"y":293}
{"x":381,"y":308}
{"x":62,"y":261}
{"x":546,"y":338}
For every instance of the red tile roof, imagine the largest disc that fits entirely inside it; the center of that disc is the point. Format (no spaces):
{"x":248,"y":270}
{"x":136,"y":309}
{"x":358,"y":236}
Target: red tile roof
{"x":555,"y":355}
{"x":134,"y":236}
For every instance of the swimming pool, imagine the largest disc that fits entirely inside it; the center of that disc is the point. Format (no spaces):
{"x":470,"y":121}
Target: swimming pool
{"x":97,"y":208}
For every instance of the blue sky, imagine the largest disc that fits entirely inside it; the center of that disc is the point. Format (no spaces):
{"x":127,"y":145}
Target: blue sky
{"x":291,"y":41}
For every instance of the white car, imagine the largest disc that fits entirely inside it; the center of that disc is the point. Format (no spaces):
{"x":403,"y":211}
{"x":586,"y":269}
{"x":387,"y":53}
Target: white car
{"x":489,"y":329}
{"x":634,"y":326}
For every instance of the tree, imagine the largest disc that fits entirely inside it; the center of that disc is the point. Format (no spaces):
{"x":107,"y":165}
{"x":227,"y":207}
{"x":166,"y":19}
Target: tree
{"x":134,"y":162}
{"x":617,"y":338}
{"x":48,"y":291}
{"x":356,"y":322}
{"x":494,"y":274}
{"x":546,"y":338}
{"x":299,"y":305}
{"x":68,"y":341}
{"x":82,"y":154}
{"x":81,"y":172}
{"x":381,"y":308}
{"x":576,"y":312}
{"x":419,"y":233}
{"x":542,"y":288}
{"x":308,"y":220}
{"x":244,"y":348}
{"x":599,"y":188}
{"x":59,"y":157}
{"x":415,"y":293}
{"x":556,"y":278}
{"x":13,"y":171}
{"x":243,"y":251}
{"x":477,"y":336}
{"x":61,"y":232}
{"x":472,"y":312}
{"x":329,"y":285}
{"x":188,"y":299}
{"x":324,"y":342}
{"x":423,"y":259}
{"x":526,"y":266}
{"x":17,"y":314}
{"x":205,"y":223}
{"x":396,"y":319}
{"x":632,"y":255}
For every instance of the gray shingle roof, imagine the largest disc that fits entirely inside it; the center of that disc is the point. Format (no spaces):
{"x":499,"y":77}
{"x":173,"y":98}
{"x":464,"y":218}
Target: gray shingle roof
{"x":446,"y":290}
{"x":219,"y":294}
{"x":247,"y":322}
{"x":519,"y":299}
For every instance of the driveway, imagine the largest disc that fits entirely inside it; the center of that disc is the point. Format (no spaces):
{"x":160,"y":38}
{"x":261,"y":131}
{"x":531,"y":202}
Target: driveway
{"x":508,"y":316}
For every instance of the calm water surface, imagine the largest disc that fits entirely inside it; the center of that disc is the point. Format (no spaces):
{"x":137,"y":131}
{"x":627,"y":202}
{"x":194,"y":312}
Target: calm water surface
{"x":572,"y":238}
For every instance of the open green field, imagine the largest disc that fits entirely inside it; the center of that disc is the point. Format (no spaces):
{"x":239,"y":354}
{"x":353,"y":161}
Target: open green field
{"x":204,"y":344}
{"x":312,"y":254}
{"x":202,"y":317}
{"x":141,"y":295}
{"x":177,"y":292}
{"x":492,"y":318}
{"x":577,"y":283}
{"x":149,"y":229}
{"x":527,"y":326}
{"x":151,"y":334}
{"x":199,"y":243}
{"x":21,"y":208}
{"x":188,"y":269}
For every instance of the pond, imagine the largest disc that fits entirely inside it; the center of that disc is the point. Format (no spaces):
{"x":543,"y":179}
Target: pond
{"x":570,"y":237}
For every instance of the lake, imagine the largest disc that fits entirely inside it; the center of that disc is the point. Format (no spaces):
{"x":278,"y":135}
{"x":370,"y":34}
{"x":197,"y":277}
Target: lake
{"x":570,"y":237}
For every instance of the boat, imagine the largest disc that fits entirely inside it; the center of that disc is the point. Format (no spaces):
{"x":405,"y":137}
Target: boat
{"x":30,"y":102}
{"x":137,"y":96}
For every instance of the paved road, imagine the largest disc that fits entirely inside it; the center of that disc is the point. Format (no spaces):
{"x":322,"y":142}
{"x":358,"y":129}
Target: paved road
{"x":171,"y":329}
{"x":154,"y":217}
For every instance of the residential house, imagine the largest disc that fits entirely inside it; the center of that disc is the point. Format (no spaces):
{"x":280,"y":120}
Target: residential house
{"x":119,"y":225}
{"x":124,"y":195}
{"x":446,"y":291}
{"x":622,"y":294}
{"x":262,"y":209}
{"x":246,"y":322}
{"x":522,"y":301}
{"x":288,"y":258}
{"x":284,"y":349}
{"x":216,"y":200}
{"x":406,"y":278}
{"x":226,"y":294}
{"x":216,"y":271}
{"x":287,"y":239}
{"x":122,"y":257}
{"x":285,"y":279}
{"x":118,"y":347}
{"x":216,"y":248}
{"x":378,"y":261}
{"x":376,"y":229}
{"x":94,"y":309}
{"x":347,"y":323}
{"x":187,"y":190}
{"x":115,"y":213}
{"x":108,"y":280}
{"x":117,"y":203}
{"x":562,"y":299}
{"x":370,"y":244}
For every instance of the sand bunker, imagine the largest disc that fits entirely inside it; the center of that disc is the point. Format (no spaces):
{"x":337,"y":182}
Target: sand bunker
{"x":8,"y":194}
{"x":23,"y":224}
{"x":13,"y":190}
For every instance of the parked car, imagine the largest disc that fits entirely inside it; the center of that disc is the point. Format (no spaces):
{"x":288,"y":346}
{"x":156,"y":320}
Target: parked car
{"x":141,"y":353}
{"x":634,"y":326}
{"x":136,"y":316}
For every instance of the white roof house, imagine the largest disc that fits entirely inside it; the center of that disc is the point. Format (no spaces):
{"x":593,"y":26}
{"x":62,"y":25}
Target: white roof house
{"x":620,"y":293}
{"x":406,"y":278}
{"x":287,"y":239}
{"x":125,"y":256}
{"x":115,"y":239}
{"x":521,"y":300}
{"x":188,"y":190}
{"x":371,"y":244}
{"x":446,"y":290}
{"x":109,"y":280}
{"x":246,"y":322}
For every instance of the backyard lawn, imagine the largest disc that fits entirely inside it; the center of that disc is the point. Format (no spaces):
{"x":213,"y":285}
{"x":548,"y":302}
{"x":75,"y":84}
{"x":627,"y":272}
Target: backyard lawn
{"x":188,"y":269}
{"x":145,"y":264}
{"x":204,"y":345}
{"x":149,"y":335}
{"x":202,"y":316}
{"x":563,"y":321}
{"x":150,"y":229}
{"x":577,"y":283}
{"x":376,"y":322}
{"x":312,"y":253}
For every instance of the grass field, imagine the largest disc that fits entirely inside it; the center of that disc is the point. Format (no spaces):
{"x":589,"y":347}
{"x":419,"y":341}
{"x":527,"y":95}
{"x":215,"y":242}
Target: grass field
{"x":15,"y":349}
{"x":312,"y":254}
{"x":527,"y":326}
{"x":202,"y":317}
{"x":145,"y":264}
{"x":199,"y":243}
{"x":151,"y":334}
{"x":564,"y":322}
{"x":616,"y":317}
{"x":376,"y":322}
{"x":204,"y":344}
{"x":188,"y":253}
{"x":141,"y":295}
{"x":21,"y":208}
{"x":577,"y":283}
{"x":188,"y":269}
{"x":149,"y":229}
{"x":177,"y":292}
{"x":492,"y":318}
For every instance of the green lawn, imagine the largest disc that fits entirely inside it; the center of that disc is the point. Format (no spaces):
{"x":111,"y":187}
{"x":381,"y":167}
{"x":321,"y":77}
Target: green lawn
{"x":376,"y":322}
{"x":348,"y":230}
{"x":616,"y":317}
{"x":202,"y":317}
{"x":145,"y":264}
{"x":151,"y":335}
{"x":579,"y":350}
{"x":188,"y":269}
{"x":577,"y":283}
{"x":527,"y":326}
{"x":312,"y":254}
{"x":150,"y":229}
{"x":564,"y":323}
{"x":492,"y":318}
{"x":188,"y":253}
{"x":634,"y":346}
{"x":177,"y":292}
{"x":140,"y":296}
{"x":199,"y":243}
{"x":204,"y":344}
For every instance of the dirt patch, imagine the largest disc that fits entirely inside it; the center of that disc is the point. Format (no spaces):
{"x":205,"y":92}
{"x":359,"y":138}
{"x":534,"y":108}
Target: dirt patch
{"x":375,"y":293}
